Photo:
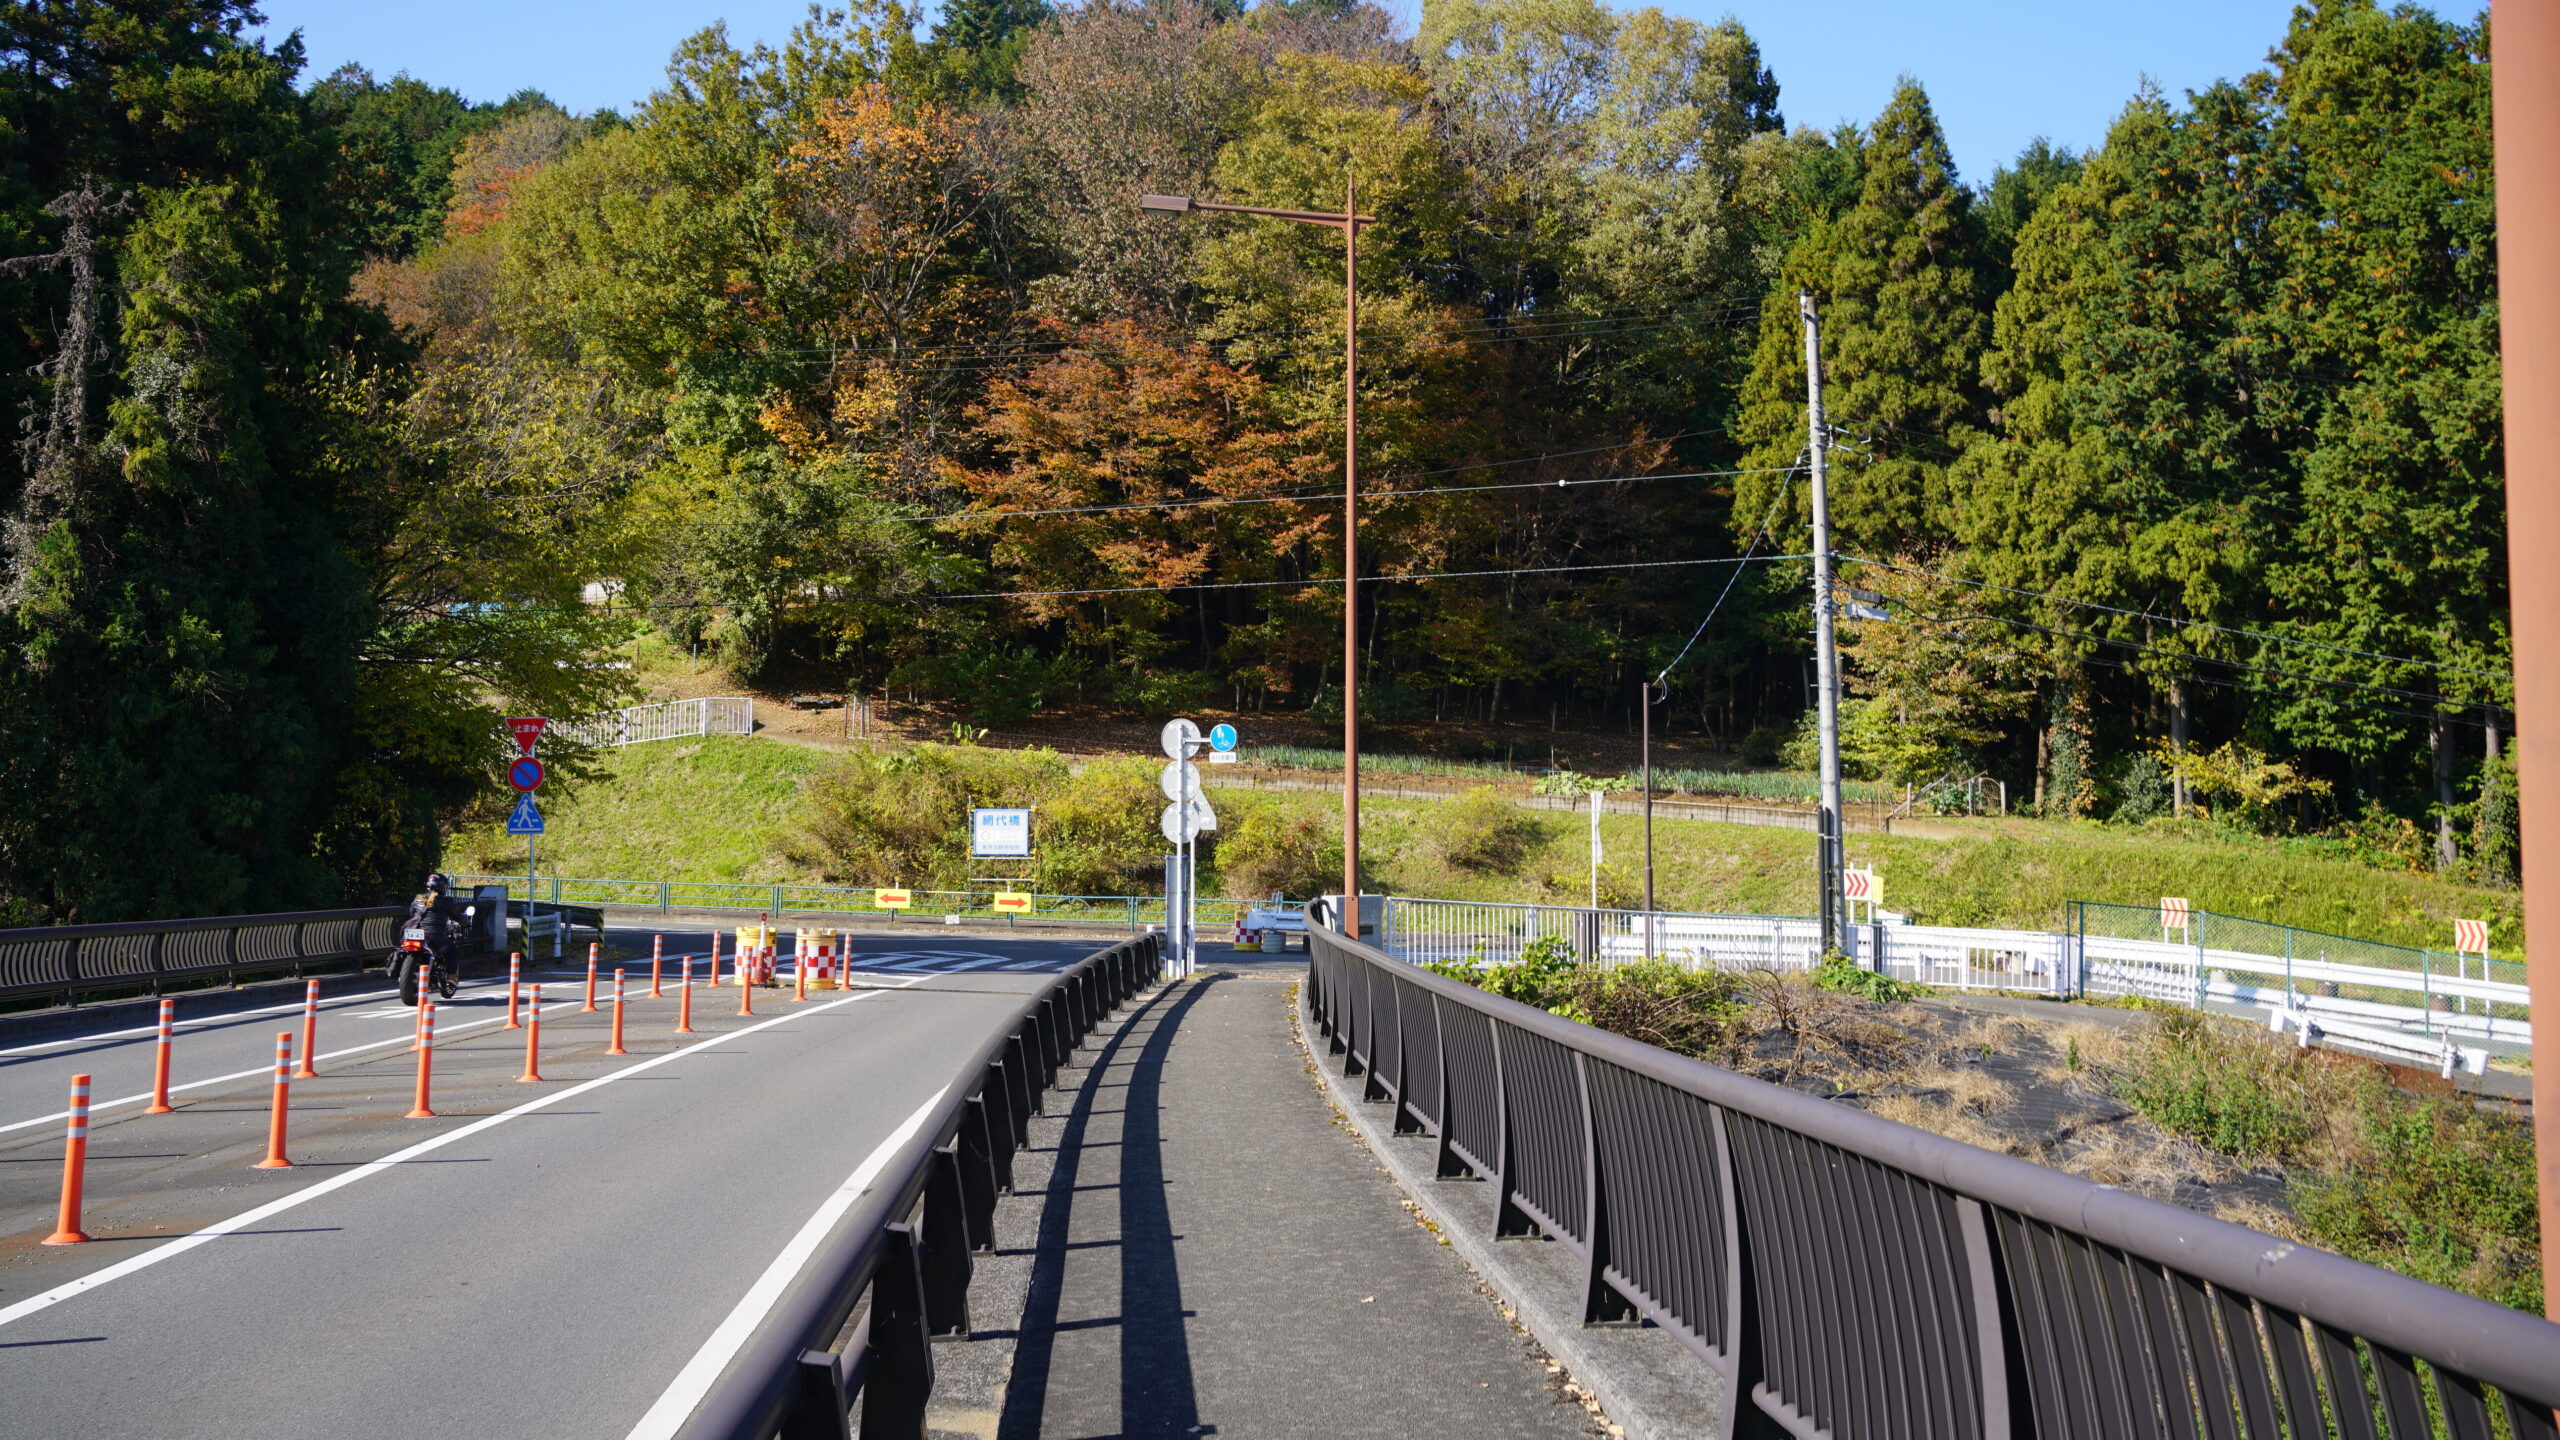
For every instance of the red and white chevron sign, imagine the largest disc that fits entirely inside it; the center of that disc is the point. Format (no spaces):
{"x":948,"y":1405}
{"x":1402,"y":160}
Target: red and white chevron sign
{"x":2471,"y":937}
{"x":1858,"y":884}
{"x":2174,"y":914}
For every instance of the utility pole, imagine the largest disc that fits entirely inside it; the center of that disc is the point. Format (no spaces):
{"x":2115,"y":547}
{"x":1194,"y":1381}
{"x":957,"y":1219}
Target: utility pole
{"x":1646,"y":699}
{"x":2527,"y":128}
{"x":1826,"y":656}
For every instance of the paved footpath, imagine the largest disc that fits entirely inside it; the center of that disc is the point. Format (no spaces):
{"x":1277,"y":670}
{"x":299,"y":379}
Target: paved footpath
{"x":1215,"y":1256}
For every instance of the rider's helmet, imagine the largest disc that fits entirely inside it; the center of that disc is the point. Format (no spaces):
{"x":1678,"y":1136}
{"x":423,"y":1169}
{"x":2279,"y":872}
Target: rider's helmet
{"x":437,"y":884}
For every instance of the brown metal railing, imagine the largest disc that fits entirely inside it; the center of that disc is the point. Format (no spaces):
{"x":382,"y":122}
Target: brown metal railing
{"x":1849,"y":1276}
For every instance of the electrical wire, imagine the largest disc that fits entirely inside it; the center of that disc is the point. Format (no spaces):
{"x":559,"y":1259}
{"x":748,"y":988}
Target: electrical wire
{"x":2183,"y":624}
{"x":1730,"y":580}
{"x":1336,"y":580}
{"x":1213,"y":504}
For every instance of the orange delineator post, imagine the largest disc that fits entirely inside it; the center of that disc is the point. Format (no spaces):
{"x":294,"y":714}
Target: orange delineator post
{"x":657,"y":958}
{"x":276,"y":1107}
{"x":533,"y":1040}
{"x":515,"y":975}
{"x":160,"y":1065}
{"x":310,"y":1029}
{"x":616,"y":1047}
{"x":420,"y":1109}
{"x":799,"y":976}
{"x":746,"y":988}
{"x":715,"y":959}
{"x":590,"y":1007}
{"x":684,"y":1000}
{"x":75,"y":1167}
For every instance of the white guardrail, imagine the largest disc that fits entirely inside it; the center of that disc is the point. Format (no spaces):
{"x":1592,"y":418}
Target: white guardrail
{"x":2451,"y":1021}
{"x":666,"y":720}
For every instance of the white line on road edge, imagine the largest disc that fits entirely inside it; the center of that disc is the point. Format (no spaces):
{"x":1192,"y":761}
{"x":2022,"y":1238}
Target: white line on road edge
{"x":449,"y":1030}
{"x":215,"y":1231}
{"x":694,"y":1380}
{"x":192,"y":1023}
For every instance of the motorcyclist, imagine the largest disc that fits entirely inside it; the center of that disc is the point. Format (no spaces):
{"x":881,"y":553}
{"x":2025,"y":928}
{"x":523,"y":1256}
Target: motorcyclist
{"x":442,"y":917}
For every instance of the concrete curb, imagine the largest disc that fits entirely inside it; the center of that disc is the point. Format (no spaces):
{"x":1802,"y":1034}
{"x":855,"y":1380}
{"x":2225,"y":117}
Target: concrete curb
{"x":1647,"y":1382}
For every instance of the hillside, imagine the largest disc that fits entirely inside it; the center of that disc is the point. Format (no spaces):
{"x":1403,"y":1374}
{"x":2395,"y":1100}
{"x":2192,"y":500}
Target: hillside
{"x":718,"y":809}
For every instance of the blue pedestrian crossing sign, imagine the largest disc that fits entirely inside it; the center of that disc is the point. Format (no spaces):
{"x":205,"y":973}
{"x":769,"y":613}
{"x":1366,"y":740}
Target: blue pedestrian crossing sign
{"x":526,"y":820}
{"x":1222,"y":737}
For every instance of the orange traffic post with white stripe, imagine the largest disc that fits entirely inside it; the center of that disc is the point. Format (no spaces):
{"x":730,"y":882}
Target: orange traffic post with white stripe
{"x":420,"y":1109}
{"x":532,"y":1040}
{"x":657,"y":959}
{"x":160,"y":1063}
{"x":590,"y":1007}
{"x":75,"y":1168}
{"x":276,"y":1107}
{"x":515,"y":977}
{"x":746,"y":985}
{"x":799,"y":974}
{"x":310,"y":1029}
{"x":616,"y":1047}
{"x":684,"y":1000}
{"x":715,"y":959}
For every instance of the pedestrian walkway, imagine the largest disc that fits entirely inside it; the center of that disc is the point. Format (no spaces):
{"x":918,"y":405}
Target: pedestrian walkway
{"x":1211,"y":1254}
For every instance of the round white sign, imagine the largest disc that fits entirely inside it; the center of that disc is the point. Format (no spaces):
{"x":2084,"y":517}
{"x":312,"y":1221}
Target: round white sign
{"x":1180,"y":739}
{"x":1180,"y":780}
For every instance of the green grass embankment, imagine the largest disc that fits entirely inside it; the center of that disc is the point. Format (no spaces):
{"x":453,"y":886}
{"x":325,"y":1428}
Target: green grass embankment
{"x":709,"y":809}
{"x":718,"y":809}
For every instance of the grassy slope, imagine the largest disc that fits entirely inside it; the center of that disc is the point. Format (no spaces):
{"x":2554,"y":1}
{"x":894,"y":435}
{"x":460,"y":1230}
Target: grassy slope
{"x":713,"y":809}
{"x":2019,"y":875}
{"x":717,"y":809}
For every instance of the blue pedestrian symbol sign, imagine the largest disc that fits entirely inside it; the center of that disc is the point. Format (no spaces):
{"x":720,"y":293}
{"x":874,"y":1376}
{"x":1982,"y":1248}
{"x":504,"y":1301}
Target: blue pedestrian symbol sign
{"x":1222,"y":737}
{"x":526,"y":820}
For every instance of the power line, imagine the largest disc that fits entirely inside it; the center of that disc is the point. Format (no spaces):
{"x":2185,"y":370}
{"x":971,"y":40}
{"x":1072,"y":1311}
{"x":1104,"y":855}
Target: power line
{"x":2183,"y":624}
{"x":1756,"y":536}
{"x":1336,"y":580}
{"x":1328,"y":495}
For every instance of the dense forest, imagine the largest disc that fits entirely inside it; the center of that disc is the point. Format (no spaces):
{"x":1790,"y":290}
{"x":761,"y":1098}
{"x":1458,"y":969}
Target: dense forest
{"x":2170,"y":468}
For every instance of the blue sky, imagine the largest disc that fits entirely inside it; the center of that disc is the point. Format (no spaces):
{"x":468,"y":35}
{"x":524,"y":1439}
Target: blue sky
{"x":2001,"y":72}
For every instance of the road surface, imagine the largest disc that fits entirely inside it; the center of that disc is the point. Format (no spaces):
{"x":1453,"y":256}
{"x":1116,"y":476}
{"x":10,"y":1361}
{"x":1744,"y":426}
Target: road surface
{"x":541,"y":1259}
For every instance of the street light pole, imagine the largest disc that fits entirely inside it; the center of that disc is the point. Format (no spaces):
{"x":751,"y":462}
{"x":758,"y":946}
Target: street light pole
{"x":1349,"y":223}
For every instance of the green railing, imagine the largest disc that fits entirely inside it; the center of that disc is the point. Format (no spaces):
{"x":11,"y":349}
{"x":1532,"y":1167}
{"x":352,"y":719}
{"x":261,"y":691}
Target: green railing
{"x":1132,"y":913}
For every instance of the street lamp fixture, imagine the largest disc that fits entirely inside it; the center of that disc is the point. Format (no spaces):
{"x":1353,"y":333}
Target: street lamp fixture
{"x":1348,"y":221}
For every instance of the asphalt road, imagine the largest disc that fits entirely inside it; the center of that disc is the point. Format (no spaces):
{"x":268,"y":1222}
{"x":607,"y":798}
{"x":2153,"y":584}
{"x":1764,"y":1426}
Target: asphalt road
{"x":540,"y":1259}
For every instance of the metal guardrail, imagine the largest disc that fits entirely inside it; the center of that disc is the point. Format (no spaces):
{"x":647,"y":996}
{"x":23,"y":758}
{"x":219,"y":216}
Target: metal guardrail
{"x":1851,"y":1276}
{"x":64,"y":961}
{"x":905,"y":1247}
{"x":666,"y":720}
{"x":845,"y":902}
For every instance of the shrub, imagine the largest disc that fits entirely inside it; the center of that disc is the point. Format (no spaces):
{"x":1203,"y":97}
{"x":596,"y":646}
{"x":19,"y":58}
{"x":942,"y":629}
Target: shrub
{"x":1484,"y":832}
{"x":1262,"y":847}
{"x":2232,"y":1092}
{"x":1543,"y":976}
{"x":2436,"y":1190}
{"x":1687,"y":1011}
{"x":1843,"y":976}
{"x":901,"y":817}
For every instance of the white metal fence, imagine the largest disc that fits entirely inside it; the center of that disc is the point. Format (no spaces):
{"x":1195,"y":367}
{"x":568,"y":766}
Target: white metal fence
{"x":2458,"y":1018}
{"x":667,"y":720}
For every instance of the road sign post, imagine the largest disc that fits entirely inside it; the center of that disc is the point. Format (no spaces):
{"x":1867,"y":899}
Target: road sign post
{"x":1185,"y":816}
{"x":526,"y":773}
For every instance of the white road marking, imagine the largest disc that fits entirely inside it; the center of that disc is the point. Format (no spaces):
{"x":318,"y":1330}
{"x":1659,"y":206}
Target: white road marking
{"x":184,"y":1025}
{"x":444,"y":1031}
{"x":675,"y":1405}
{"x":215,"y":1231}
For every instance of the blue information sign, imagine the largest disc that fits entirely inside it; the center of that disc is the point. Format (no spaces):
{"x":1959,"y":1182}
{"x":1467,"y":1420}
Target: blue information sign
{"x":1222,"y":737}
{"x":525,"y":820}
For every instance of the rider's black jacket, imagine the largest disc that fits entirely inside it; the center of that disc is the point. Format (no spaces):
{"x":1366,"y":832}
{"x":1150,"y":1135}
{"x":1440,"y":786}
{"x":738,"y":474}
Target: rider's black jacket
{"x":439,"y":915}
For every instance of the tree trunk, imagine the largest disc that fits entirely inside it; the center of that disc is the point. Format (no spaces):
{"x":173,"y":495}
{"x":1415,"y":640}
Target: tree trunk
{"x":2178,"y":748}
{"x":2440,"y":743}
{"x":2044,"y":755}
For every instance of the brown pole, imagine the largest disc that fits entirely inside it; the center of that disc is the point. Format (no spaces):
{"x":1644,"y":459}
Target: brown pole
{"x":1350,"y":559}
{"x":2526,"y":37}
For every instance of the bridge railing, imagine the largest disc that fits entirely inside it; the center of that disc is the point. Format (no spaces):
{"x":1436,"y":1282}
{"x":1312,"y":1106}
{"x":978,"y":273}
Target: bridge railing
{"x":66,"y":961}
{"x":901,"y":1257}
{"x":824,"y":903}
{"x":1847,"y":1275}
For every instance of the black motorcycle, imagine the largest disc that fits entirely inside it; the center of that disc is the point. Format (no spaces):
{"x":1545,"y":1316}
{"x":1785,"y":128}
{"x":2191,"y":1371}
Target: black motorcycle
{"x":418,"y":954}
